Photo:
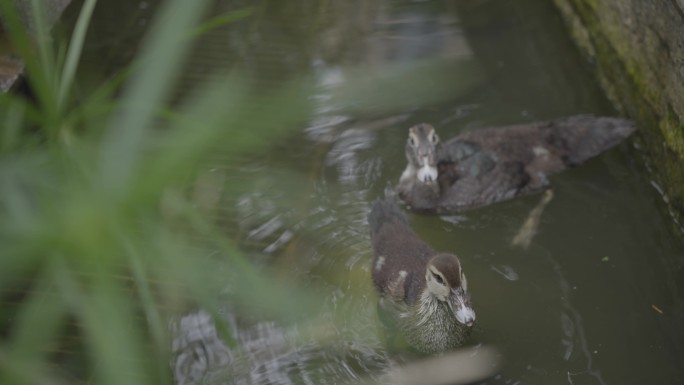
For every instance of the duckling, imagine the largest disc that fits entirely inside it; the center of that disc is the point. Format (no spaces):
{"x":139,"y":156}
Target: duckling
{"x":424,"y":292}
{"x":478,"y":168}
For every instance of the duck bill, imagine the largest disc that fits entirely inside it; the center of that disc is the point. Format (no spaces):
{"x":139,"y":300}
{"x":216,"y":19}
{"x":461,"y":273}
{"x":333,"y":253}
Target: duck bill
{"x":459,"y":302}
{"x":427,"y":173}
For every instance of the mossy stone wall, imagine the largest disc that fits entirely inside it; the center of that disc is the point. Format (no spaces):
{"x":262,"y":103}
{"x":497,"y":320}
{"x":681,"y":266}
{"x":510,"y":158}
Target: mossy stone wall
{"x":637,"y":48}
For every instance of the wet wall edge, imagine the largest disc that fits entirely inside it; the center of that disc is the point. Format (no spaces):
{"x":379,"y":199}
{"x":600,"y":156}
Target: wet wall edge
{"x":636,"y":49}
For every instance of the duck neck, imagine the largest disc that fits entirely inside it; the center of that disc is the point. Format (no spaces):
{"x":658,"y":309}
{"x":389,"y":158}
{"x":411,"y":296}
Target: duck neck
{"x":409,"y":174}
{"x":429,"y":307}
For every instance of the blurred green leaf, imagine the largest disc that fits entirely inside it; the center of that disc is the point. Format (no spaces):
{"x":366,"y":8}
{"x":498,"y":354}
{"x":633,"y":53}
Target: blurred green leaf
{"x":112,"y":334}
{"x":224,"y":115}
{"x":74,"y":51}
{"x":39,"y":321}
{"x":220,"y":20}
{"x":249,"y":287}
{"x":15,"y":111}
{"x":150,"y":86}
{"x":391,"y":89}
{"x":82,"y":219}
{"x":20,"y":371}
{"x":37,"y":66}
{"x":41,"y":38}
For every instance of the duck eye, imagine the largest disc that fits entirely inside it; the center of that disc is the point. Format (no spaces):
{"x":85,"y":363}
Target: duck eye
{"x":438,"y":278}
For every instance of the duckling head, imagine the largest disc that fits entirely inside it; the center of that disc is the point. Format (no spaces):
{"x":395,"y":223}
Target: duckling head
{"x":421,"y":152}
{"x":446,"y":282}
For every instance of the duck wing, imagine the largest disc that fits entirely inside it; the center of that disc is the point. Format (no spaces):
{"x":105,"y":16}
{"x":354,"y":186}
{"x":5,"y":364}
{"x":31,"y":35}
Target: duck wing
{"x":544,"y":147}
{"x":498,"y":163}
{"x":503,"y":181}
{"x":399,"y":256}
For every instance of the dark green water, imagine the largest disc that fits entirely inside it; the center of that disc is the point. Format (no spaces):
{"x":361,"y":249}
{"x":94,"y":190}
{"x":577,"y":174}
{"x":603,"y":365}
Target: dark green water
{"x":598,"y":297}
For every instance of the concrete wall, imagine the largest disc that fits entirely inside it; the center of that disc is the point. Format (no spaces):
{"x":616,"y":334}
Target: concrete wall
{"x":637,"y":48}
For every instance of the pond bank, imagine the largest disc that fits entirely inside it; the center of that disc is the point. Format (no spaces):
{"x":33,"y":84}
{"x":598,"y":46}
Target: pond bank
{"x":637,"y":52}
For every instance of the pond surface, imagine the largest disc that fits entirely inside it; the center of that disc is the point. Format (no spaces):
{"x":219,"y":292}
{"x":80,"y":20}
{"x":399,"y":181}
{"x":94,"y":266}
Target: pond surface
{"x":597,"y":297}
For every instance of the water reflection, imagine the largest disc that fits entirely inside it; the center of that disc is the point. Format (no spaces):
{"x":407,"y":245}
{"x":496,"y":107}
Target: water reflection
{"x":343,"y":154}
{"x":300,"y":208}
{"x":196,"y":348}
{"x":506,"y":272}
{"x":266,"y":353}
{"x":574,"y":344}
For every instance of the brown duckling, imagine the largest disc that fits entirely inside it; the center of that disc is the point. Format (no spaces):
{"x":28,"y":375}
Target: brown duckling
{"x":489,"y":165}
{"x":423,"y":291}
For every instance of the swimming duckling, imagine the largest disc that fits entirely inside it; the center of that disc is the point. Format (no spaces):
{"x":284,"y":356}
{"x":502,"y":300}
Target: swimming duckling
{"x":425,"y":292}
{"x":481,"y":167}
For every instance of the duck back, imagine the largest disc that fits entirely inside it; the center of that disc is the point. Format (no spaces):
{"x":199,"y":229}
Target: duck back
{"x":398,"y":253}
{"x":549,"y":146}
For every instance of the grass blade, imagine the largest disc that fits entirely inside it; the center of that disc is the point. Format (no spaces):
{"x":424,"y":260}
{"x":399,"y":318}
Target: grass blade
{"x":40,"y":31}
{"x":220,"y":20}
{"x":160,"y":62}
{"x":74,"y":52}
{"x":37,"y":325}
{"x":34,"y":70}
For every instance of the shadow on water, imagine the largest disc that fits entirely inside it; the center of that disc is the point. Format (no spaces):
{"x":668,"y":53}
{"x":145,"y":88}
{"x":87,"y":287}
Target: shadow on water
{"x":596,"y":299}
